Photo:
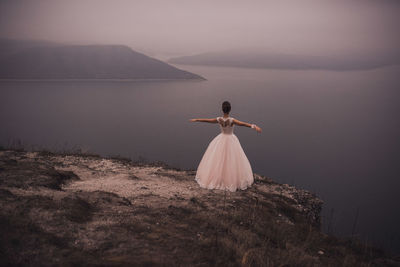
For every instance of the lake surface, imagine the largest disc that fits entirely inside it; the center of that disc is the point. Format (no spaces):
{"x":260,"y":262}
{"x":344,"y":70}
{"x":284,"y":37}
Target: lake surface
{"x":333,"y":133}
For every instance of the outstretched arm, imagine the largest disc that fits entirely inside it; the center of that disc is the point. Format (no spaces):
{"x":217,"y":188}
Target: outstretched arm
{"x":204,"y":120}
{"x":241,"y":123}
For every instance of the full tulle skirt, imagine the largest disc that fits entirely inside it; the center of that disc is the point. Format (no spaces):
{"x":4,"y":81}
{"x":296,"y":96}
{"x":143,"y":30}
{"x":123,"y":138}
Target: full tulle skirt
{"x":224,"y":165}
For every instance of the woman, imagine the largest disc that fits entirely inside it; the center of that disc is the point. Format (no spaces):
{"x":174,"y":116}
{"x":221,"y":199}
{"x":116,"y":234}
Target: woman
{"x":224,"y":164}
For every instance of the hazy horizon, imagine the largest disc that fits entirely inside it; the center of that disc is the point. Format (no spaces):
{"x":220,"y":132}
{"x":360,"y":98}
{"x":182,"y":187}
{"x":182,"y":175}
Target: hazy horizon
{"x":166,"y":29}
{"x":332,"y":132}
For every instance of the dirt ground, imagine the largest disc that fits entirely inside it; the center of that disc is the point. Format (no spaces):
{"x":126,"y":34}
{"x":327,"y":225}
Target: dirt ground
{"x":70,"y":210}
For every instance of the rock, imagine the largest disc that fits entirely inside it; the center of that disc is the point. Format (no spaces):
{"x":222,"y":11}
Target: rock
{"x":86,"y":210}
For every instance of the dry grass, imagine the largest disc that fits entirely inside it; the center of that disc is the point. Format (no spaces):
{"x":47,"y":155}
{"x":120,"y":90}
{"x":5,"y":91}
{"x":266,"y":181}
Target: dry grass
{"x":43,"y":222}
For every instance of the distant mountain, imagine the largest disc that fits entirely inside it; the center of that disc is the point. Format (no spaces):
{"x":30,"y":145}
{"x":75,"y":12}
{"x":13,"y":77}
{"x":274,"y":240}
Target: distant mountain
{"x":45,"y":60}
{"x":250,"y":59}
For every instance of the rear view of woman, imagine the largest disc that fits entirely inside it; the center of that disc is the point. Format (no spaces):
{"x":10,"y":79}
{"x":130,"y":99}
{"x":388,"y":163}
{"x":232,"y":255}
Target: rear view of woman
{"x":224,"y":164}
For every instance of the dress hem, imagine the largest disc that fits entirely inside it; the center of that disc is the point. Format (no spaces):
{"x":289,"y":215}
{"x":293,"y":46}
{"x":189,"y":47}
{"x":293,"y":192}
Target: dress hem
{"x":248,"y":185}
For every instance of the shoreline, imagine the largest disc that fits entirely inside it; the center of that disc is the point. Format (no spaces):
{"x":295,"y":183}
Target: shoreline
{"x":100,"y":80}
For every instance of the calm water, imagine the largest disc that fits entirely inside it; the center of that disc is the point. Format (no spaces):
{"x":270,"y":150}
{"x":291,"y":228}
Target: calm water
{"x":333,"y":133}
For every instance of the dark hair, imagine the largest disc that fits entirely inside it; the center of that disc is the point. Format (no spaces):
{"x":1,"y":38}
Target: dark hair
{"x":226,"y":107}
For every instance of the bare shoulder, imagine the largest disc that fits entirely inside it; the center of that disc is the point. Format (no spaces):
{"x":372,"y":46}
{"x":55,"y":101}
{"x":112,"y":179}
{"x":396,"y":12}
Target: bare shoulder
{"x":235,"y":121}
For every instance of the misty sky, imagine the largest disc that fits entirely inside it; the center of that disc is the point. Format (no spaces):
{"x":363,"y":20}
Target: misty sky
{"x":182,"y":27}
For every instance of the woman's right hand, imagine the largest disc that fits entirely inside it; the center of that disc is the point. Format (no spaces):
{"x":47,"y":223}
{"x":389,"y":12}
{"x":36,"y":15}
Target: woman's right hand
{"x":193,"y":120}
{"x":258,"y":129}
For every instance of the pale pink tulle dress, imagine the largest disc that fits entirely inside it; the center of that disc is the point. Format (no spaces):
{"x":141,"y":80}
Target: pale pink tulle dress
{"x":224,"y":164}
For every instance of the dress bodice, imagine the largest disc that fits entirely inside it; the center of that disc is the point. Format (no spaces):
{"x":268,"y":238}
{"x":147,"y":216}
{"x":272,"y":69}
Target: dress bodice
{"x":226,"y":125}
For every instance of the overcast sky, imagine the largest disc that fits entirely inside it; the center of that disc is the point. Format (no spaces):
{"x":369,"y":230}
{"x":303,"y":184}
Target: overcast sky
{"x":183,"y":27}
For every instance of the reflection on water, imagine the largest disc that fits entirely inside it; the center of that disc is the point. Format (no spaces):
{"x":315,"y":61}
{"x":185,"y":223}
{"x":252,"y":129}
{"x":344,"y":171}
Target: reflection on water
{"x":333,"y":133}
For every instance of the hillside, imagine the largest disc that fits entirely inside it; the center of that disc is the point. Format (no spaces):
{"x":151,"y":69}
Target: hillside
{"x":71,"y":210}
{"x":45,"y":60}
{"x":268,"y":60}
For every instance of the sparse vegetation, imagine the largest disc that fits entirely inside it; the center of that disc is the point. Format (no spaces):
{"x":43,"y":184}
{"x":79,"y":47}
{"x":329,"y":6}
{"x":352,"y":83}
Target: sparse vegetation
{"x":45,"y":220}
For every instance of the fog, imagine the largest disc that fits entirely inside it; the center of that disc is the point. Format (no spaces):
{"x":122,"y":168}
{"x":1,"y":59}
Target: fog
{"x":183,"y":27}
{"x":332,"y":131}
